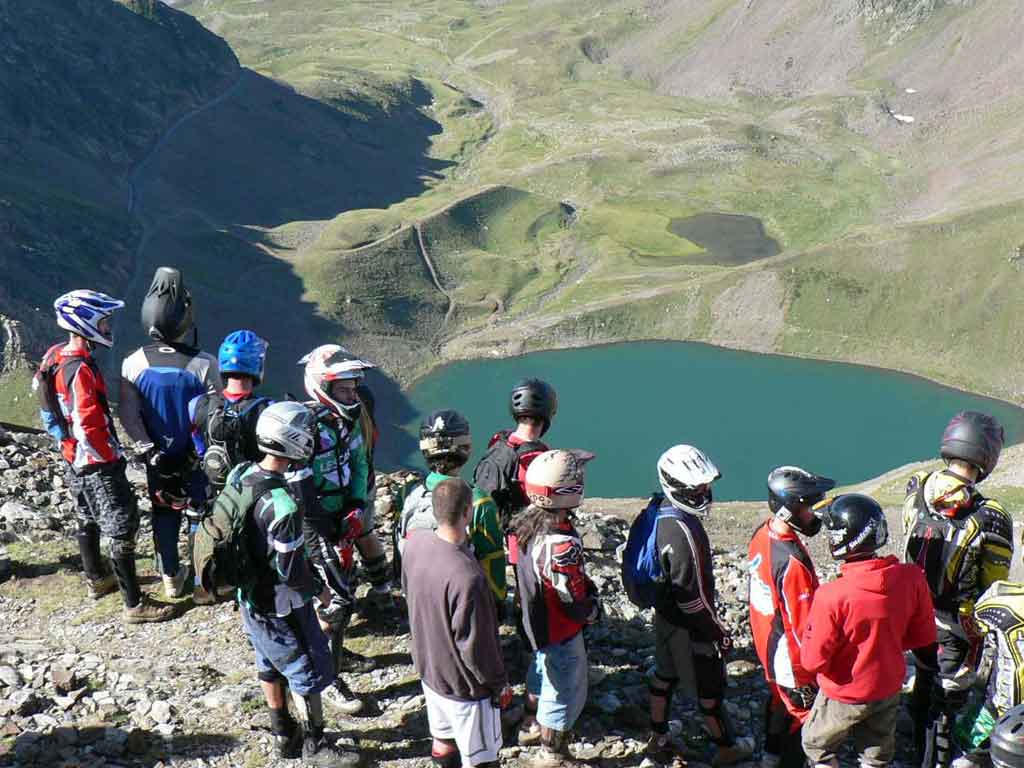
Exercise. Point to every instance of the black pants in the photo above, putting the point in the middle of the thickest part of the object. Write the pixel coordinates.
(938, 696)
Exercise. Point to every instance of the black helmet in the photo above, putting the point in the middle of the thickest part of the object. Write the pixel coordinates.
(536, 398)
(1007, 740)
(792, 489)
(167, 308)
(444, 435)
(855, 525)
(976, 438)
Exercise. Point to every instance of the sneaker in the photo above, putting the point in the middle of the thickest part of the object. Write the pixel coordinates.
(664, 750)
(104, 585)
(318, 751)
(738, 752)
(148, 610)
(355, 663)
(174, 586)
(340, 697)
(289, 745)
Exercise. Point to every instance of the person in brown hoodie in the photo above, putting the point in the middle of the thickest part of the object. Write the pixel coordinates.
(453, 624)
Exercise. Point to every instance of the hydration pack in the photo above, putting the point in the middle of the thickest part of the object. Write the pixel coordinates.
(225, 438)
(417, 514)
(220, 554)
(642, 575)
(499, 467)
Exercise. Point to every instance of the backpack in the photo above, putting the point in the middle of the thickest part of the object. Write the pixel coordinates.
(417, 514)
(225, 437)
(44, 383)
(220, 552)
(504, 459)
(642, 575)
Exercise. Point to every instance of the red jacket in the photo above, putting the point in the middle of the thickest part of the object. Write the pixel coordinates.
(860, 626)
(782, 587)
(82, 395)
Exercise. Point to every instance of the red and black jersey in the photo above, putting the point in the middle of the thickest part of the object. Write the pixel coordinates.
(556, 596)
(82, 397)
(782, 586)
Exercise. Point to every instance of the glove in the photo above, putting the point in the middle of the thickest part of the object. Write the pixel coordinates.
(801, 698)
(725, 644)
(352, 525)
(335, 613)
(502, 699)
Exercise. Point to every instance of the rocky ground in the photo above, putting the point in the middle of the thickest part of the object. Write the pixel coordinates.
(78, 688)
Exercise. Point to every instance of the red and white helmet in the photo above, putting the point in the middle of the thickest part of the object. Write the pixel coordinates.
(332, 362)
(554, 480)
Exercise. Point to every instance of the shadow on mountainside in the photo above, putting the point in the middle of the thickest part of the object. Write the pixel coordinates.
(268, 155)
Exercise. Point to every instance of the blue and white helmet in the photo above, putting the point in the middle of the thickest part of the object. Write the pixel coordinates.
(81, 312)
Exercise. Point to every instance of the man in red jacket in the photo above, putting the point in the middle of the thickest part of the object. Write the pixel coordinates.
(860, 626)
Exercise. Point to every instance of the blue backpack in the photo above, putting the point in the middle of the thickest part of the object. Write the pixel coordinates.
(642, 575)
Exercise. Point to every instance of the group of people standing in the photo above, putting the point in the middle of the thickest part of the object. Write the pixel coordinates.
(278, 498)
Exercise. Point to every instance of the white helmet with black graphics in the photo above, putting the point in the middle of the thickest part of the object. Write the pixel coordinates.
(329, 363)
(686, 474)
(287, 429)
(83, 313)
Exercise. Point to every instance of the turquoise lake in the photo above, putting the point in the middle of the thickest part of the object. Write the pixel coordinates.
(629, 402)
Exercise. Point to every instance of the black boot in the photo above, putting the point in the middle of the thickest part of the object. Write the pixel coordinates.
(316, 749)
(287, 734)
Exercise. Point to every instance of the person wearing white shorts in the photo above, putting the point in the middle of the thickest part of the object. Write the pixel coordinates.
(474, 726)
(453, 626)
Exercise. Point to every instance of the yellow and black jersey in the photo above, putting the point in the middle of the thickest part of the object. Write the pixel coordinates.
(961, 540)
(1000, 615)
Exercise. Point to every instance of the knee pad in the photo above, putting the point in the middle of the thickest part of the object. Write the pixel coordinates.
(450, 759)
(660, 687)
(717, 713)
(119, 547)
(268, 676)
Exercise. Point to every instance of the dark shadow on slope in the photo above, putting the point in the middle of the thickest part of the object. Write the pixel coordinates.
(393, 410)
(268, 155)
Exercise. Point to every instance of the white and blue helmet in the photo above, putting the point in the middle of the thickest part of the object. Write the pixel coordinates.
(81, 312)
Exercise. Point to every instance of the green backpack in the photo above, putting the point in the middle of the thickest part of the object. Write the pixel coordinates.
(220, 553)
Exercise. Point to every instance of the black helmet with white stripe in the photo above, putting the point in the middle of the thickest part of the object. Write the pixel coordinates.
(444, 437)
(855, 525)
(686, 474)
(288, 430)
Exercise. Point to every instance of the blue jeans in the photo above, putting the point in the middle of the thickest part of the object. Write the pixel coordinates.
(558, 677)
(291, 648)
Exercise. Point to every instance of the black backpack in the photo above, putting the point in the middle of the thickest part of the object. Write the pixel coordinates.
(498, 473)
(225, 437)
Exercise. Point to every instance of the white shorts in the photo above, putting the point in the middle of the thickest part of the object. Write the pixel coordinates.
(474, 726)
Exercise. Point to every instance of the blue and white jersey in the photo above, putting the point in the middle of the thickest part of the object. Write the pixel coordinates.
(157, 383)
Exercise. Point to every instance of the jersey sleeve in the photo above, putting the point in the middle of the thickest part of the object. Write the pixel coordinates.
(197, 417)
(487, 476)
(796, 592)
(488, 542)
(284, 529)
(129, 407)
(359, 467)
(569, 579)
(682, 567)
(89, 423)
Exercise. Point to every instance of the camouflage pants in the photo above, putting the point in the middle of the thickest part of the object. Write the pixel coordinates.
(104, 499)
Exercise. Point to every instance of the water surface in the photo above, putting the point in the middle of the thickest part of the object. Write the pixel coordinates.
(749, 412)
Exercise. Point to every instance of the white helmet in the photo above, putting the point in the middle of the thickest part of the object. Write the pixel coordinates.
(288, 430)
(81, 312)
(686, 475)
(332, 362)
(554, 480)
